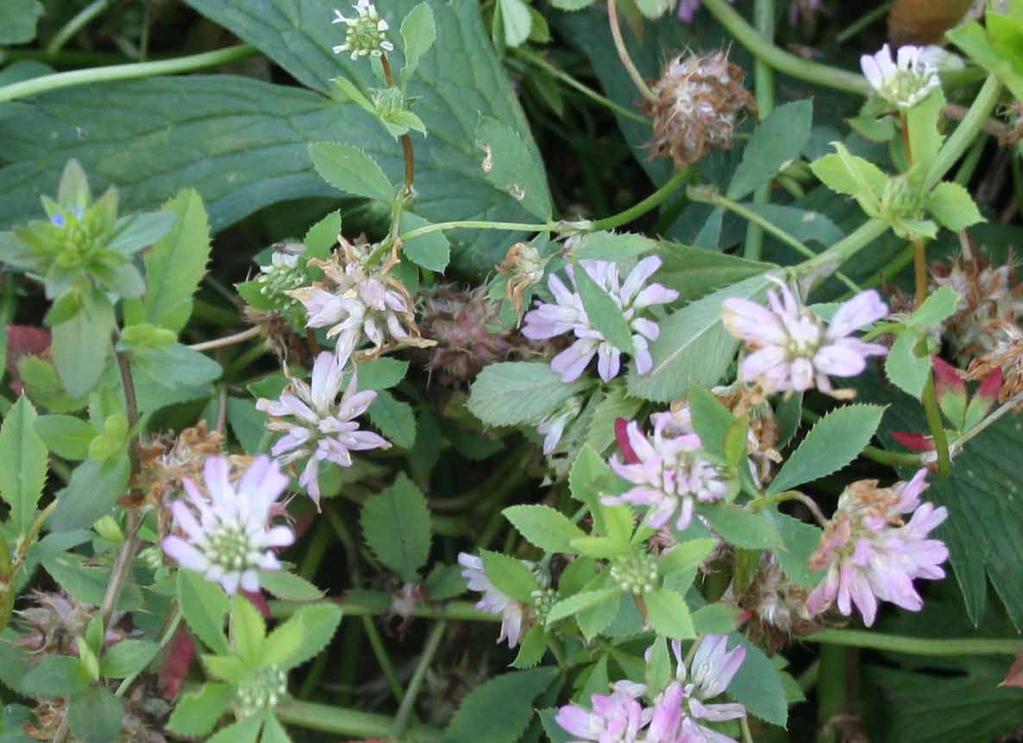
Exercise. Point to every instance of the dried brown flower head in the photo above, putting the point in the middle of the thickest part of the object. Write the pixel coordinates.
(523, 267)
(166, 461)
(989, 295)
(1006, 356)
(52, 621)
(1012, 134)
(280, 335)
(775, 606)
(699, 101)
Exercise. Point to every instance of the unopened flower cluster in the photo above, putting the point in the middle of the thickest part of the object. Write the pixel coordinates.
(682, 712)
(905, 80)
(367, 32)
(872, 553)
(568, 315)
(793, 350)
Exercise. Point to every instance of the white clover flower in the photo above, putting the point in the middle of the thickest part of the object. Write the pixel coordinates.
(567, 315)
(231, 540)
(552, 428)
(319, 426)
(493, 600)
(904, 81)
(367, 32)
(793, 349)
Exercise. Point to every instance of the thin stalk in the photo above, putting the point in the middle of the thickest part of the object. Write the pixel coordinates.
(228, 340)
(406, 139)
(843, 250)
(477, 224)
(862, 22)
(376, 642)
(763, 501)
(894, 268)
(782, 61)
(346, 722)
(892, 458)
(763, 76)
(961, 139)
(648, 204)
(957, 445)
(830, 691)
(168, 635)
(917, 645)
(56, 81)
(401, 719)
(969, 165)
(921, 279)
(456, 611)
(79, 21)
(537, 60)
(623, 53)
(937, 427)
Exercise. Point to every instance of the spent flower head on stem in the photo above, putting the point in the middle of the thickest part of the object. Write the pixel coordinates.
(367, 32)
(793, 350)
(225, 524)
(871, 553)
(318, 425)
(567, 315)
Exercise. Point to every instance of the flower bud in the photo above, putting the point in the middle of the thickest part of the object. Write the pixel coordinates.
(523, 267)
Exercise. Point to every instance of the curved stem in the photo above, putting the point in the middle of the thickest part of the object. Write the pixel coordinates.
(843, 250)
(623, 53)
(916, 645)
(418, 676)
(862, 22)
(782, 61)
(406, 139)
(763, 81)
(227, 340)
(648, 204)
(937, 427)
(537, 60)
(961, 139)
(892, 458)
(763, 501)
(344, 722)
(59, 80)
(76, 24)
(477, 224)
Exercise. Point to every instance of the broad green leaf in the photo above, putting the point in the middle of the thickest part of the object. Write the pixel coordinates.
(614, 405)
(273, 731)
(418, 32)
(924, 137)
(91, 493)
(515, 20)
(711, 419)
(624, 248)
(548, 529)
(431, 251)
(247, 424)
(87, 583)
(289, 586)
(499, 710)
(204, 607)
(974, 40)
(602, 311)
(18, 20)
(23, 461)
(516, 392)
(510, 163)
(683, 560)
(177, 263)
(381, 374)
(715, 619)
(532, 648)
(396, 525)
(658, 673)
(667, 612)
(247, 630)
(54, 676)
(138, 231)
(81, 345)
(742, 528)
(127, 657)
(695, 272)
(654, 9)
(595, 619)
(198, 711)
(394, 418)
(833, 442)
(510, 576)
(576, 603)
(306, 634)
(758, 685)
(244, 731)
(801, 541)
(693, 347)
(350, 169)
(777, 140)
(65, 435)
(953, 207)
(938, 306)
(800, 223)
(904, 368)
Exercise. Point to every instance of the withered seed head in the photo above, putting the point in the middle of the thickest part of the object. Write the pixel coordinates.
(699, 101)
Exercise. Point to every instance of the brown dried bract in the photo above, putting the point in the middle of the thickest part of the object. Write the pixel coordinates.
(775, 607)
(523, 267)
(1007, 356)
(699, 102)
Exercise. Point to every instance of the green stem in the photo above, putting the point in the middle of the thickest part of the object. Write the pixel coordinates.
(830, 691)
(862, 22)
(376, 642)
(917, 645)
(936, 426)
(59, 80)
(763, 76)
(340, 721)
(892, 458)
(784, 62)
(454, 610)
(961, 139)
(477, 224)
(623, 53)
(418, 676)
(648, 204)
(76, 24)
(843, 250)
(537, 60)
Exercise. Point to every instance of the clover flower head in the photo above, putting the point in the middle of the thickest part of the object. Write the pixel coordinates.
(567, 315)
(319, 426)
(367, 32)
(225, 526)
(493, 600)
(618, 716)
(793, 349)
(552, 428)
(903, 81)
(710, 673)
(669, 474)
(871, 553)
(357, 304)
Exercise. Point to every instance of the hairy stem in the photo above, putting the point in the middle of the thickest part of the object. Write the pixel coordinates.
(59, 80)
(623, 52)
